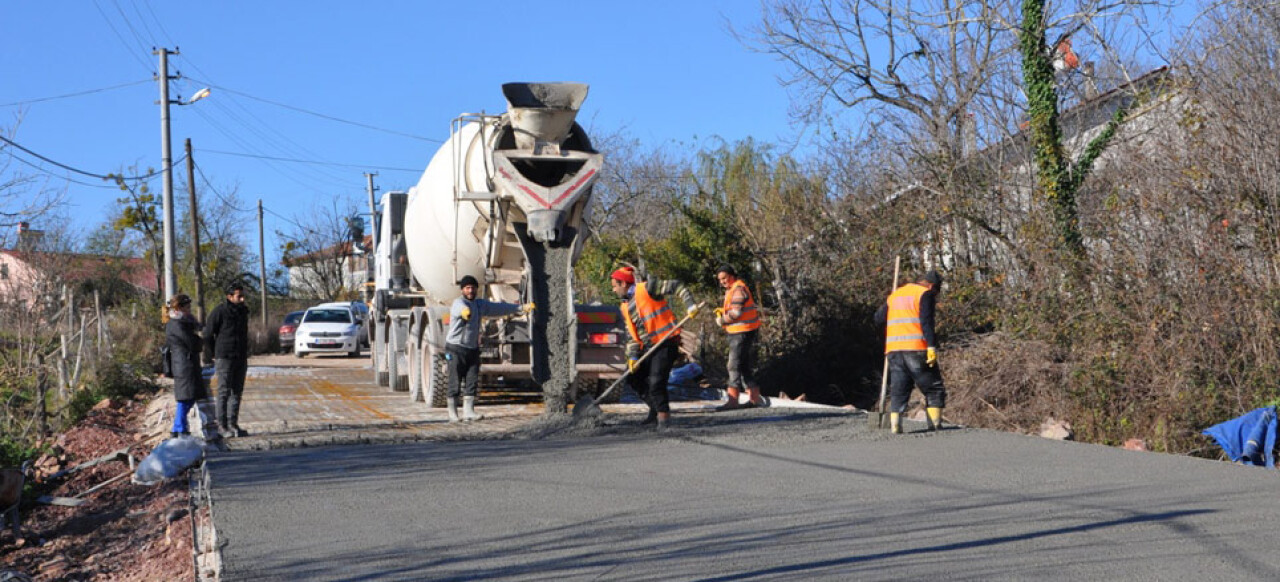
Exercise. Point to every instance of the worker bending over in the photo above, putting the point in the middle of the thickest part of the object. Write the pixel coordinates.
(741, 320)
(650, 323)
(911, 347)
(462, 344)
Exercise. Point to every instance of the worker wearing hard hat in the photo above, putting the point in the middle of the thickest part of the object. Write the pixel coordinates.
(650, 323)
(462, 344)
(741, 320)
(911, 348)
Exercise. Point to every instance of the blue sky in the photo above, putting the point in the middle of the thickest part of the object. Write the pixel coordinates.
(665, 72)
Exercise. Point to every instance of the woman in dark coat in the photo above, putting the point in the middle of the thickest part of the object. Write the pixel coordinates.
(180, 334)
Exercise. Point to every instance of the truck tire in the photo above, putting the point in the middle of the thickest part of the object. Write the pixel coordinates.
(615, 396)
(436, 387)
(379, 348)
(397, 363)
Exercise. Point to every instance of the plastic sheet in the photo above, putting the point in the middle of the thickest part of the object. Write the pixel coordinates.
(168, 459)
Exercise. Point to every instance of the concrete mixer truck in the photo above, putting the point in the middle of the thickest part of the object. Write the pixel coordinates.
(503, 200)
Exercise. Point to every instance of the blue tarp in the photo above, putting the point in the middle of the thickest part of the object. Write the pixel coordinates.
(1250, 438)
(684, 376)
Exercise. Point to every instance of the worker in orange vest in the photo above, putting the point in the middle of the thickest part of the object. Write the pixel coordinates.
(650, 322)
(741, 320)
(912, 349)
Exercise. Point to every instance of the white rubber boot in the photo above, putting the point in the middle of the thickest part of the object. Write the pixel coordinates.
(469, 409)
(453, 410)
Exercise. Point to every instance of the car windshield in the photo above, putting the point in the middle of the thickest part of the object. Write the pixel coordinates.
(327, 316)
(293, 318)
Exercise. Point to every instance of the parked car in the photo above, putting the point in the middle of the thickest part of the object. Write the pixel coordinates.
(328, 330)
(288, 328)
(359, 311)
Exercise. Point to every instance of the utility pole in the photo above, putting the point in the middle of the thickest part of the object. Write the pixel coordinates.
(373, 221)
(262, 265)
(166, 169)
(195, 231)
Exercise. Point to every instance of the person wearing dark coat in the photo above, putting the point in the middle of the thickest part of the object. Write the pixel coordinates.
(182, 337)
(226, 333)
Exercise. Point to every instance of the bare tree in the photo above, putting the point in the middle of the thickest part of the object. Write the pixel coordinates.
(320, 250)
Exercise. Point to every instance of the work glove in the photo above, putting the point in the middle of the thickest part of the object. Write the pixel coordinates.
(466, 313)
(631, 365)
(693, 312)
(719, 312)
(527, 307)
(931, 357)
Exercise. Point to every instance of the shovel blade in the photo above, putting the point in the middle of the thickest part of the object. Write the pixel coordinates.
(877, 419)
(586, 406)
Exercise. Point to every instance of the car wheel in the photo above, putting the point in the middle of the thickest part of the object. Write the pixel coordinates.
(299, 354)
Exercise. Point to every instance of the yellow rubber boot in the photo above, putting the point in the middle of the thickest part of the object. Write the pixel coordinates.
(895, 423)
(935, 417)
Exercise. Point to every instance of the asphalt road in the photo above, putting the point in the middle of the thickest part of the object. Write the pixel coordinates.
(751, 495)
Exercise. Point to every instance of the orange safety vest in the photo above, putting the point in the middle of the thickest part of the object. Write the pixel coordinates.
(904, 332)
(659, 322)
(749, 319)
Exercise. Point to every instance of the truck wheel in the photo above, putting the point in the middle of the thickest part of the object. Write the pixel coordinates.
(379, 348)
(436, 389)
(615, 396)
(397, 363)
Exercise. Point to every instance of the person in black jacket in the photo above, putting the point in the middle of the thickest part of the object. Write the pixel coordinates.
(182, 337)
(226, 333)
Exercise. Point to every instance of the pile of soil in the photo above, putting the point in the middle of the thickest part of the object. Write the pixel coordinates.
(122, 531)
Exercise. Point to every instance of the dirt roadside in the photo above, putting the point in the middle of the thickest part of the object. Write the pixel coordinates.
(122, 531)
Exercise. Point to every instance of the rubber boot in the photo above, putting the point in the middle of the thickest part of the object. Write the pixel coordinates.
(732, 402)
(664, 420)
(469, 410)
(935, 417)
(453, 410)
(895, 423)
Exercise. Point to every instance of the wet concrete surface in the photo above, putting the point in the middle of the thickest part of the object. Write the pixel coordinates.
(331, 400)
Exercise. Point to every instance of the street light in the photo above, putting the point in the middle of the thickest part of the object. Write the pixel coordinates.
(166, 165)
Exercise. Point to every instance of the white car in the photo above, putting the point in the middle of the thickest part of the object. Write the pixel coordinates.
(360, 313)
(328, 330)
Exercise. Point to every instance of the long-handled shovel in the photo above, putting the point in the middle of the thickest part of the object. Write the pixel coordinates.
(588, 406)
(877, 418)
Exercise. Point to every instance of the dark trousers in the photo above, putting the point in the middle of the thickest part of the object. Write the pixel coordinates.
(742, 359)
(653, 374)
(464, 370)
(907, 368)
(231, 373)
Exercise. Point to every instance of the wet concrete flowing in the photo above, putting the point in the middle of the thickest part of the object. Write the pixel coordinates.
(554, 325)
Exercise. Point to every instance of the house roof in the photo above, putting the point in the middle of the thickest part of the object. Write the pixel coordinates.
(342, 249)
(77, 267)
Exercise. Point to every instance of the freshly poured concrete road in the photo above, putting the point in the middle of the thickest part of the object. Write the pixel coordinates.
(774, 494)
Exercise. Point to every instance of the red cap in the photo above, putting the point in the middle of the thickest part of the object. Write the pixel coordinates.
(624, 274)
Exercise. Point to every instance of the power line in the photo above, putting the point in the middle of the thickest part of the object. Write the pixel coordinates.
(316, 162)
(323, 116)
(73, 181)
(77, 94)
(82, 172)
(145, 65)
(215, 191)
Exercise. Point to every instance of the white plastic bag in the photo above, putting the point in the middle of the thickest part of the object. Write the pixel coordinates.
(168, 459)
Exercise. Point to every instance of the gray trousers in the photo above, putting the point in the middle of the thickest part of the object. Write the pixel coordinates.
(742, 359)
(907, 368)
(231, 373)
